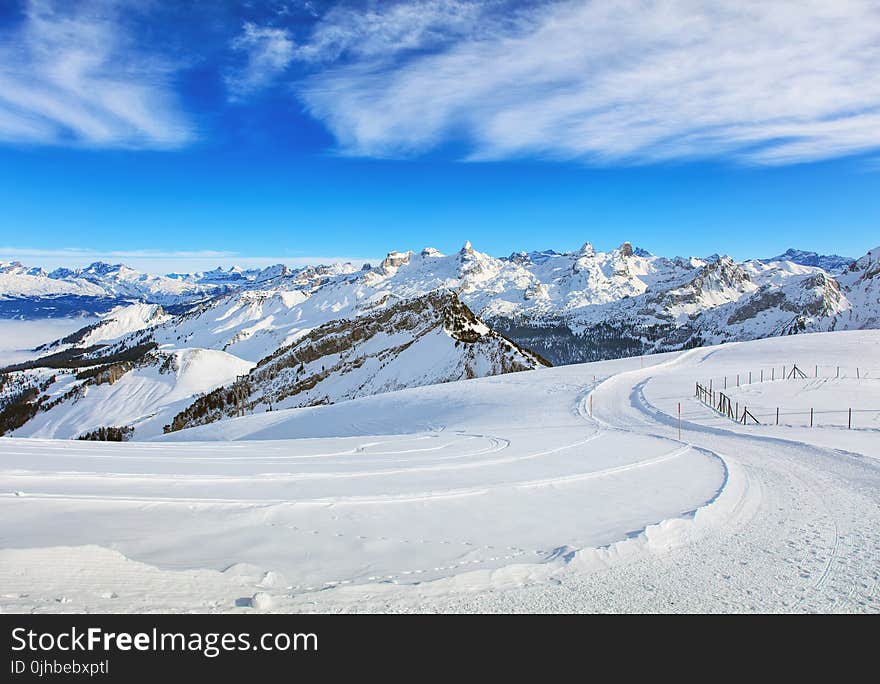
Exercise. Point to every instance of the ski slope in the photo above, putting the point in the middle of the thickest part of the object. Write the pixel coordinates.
(146, 398)
(561, 489)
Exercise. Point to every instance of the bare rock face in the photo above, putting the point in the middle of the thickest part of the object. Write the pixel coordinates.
(396, 260)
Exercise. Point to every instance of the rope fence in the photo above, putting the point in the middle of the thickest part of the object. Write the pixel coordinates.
(714, 394)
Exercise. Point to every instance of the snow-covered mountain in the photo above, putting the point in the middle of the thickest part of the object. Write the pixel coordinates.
(565, 307)
(98, 377)
(427, 340)
(833, 263)
(33, 293)
(861, 282)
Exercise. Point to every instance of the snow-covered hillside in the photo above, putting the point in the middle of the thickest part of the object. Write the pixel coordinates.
(103, 376)
(559, 489)
(861, 282)
(144, 395)
(427, 340)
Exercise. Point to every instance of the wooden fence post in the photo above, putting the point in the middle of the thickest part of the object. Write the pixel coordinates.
(849, 421)
(777, 415)
(811, 417)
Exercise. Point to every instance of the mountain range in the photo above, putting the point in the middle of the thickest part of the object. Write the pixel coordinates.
(170, 351)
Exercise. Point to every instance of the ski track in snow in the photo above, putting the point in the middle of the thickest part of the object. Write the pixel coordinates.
(571, 513)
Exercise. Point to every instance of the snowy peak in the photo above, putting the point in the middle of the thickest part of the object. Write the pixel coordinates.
(271, 272)
(395, 260)
(100, 269)
(720, 275)
(832, 263)
(868, 262)
(586, 250)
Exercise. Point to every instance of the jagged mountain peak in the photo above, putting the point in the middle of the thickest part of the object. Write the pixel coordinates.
(723, 271)
(103, 268)
(587, 250)
(395, 260)
(833, 263)
(869, 259)
(424, 340)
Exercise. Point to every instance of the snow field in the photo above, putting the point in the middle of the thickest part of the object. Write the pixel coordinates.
(512, 493)
(497, 472)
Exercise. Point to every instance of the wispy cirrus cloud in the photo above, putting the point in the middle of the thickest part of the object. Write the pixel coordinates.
(267, 53)
(71, 74)
(612, 81)
(383, 30)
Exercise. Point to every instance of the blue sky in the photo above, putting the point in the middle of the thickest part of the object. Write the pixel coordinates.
(173, 137)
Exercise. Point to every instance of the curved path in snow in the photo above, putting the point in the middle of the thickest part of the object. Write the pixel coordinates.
(797, 527)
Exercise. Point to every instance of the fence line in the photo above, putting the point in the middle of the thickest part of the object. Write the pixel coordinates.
(722, 404)
(783, 372)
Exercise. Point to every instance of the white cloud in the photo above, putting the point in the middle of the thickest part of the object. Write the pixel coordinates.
(161, 261)
(623, 80)
(268, 52)
(385, 29)
(70, 75)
